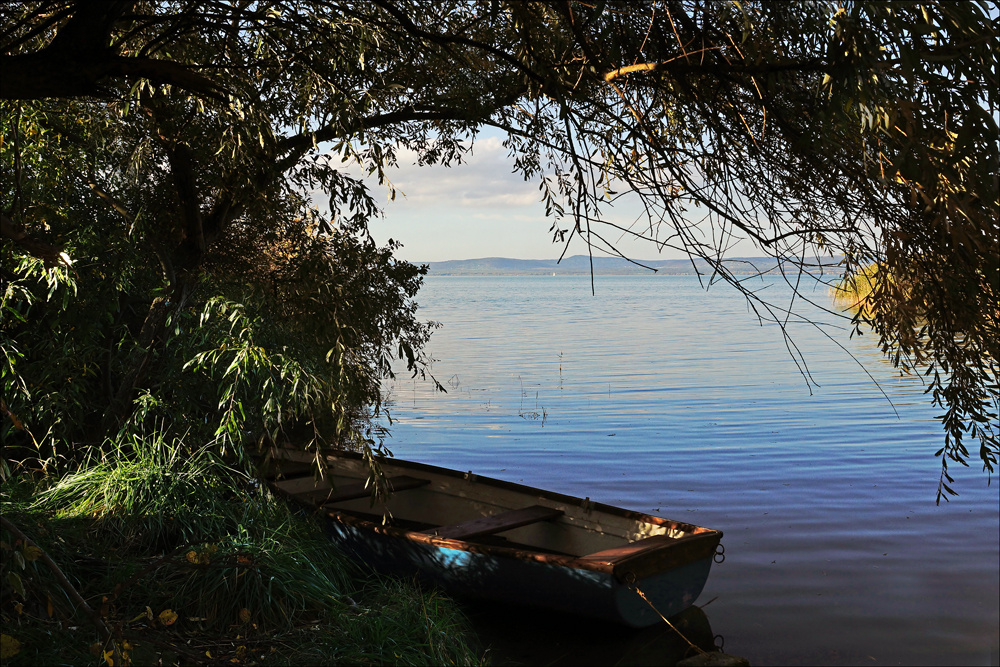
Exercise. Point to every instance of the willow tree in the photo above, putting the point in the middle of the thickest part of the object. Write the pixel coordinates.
(167, 270)
(861, 130)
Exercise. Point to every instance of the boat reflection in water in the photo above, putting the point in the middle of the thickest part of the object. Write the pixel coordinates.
(484, 538)
(518, 635)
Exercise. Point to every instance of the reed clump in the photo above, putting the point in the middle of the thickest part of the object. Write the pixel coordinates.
(854, 290)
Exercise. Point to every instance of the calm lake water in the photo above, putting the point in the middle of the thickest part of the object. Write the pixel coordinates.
(660, 396)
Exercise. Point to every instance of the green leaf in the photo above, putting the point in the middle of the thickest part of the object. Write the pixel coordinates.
(16, 584)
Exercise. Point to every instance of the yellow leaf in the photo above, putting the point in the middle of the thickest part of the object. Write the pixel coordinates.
(16, 583)
(32, 553)
(9, 647)
(19, 608)
(192, 557)
(149, 613)
(109, 659)
(48, 607)
(168, 617)
(207, 654)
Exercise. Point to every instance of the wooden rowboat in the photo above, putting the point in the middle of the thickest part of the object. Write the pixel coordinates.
(486, 538)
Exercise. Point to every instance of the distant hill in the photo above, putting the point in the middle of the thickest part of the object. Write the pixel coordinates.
(603, 266)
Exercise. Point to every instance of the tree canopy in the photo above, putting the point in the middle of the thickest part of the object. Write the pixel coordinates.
(165, 148)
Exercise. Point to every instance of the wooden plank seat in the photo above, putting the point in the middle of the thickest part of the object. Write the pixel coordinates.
(495, 523)
(287, 469)
(657, 553)
(320, 493)
(631, 549)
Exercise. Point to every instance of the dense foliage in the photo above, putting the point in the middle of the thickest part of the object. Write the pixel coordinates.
(164, 147)
(274, 324)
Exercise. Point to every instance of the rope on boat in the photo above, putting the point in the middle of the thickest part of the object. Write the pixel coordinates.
(630, 582)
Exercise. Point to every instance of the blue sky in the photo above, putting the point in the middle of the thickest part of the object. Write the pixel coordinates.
(476, 209)
(480, 209)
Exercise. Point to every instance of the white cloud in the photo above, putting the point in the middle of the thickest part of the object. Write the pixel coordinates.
(484, 179)
(478, 208)
(481, 209)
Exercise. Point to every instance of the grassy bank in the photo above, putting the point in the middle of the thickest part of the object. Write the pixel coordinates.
(185, 560)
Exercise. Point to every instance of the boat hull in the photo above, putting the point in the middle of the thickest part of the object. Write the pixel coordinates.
(552, 583)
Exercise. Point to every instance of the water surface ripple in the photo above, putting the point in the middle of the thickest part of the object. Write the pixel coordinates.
(661, 397)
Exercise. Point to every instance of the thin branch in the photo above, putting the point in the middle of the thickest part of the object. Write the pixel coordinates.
(61, 579)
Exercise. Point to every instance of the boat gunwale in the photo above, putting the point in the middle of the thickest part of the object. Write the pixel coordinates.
(699, 543)
(634, 565)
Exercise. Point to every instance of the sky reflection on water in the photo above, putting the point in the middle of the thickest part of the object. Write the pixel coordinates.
(657, 396)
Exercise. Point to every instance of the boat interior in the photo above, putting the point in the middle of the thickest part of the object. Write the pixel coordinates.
(455, 506)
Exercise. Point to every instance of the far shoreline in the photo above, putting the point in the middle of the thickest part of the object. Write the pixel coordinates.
(580, 265)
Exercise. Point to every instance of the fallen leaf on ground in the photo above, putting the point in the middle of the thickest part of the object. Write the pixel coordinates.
(9, 646)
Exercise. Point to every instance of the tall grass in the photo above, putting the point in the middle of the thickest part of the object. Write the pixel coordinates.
(267, 578)
(148, 492)
(156, 525)
(405, 624)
